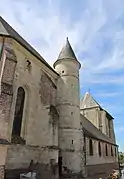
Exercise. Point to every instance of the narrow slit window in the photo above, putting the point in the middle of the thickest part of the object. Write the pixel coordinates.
(111, 151)
(99, 149)
(115, 152)
(106, 150)
(90, 147)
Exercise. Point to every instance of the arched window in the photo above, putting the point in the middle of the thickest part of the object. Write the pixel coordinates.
(90, 147)
(99, 149)
(106, 150)
(16, 131)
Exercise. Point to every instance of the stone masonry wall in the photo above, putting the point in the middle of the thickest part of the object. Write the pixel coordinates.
(40, 118)
(40, 95)
(99, 170)
(19, 156)
(103, 159)
(8, 64)
(92, 115)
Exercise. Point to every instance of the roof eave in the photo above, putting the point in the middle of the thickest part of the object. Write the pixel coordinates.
(9, 36)
(96, 138)
(59, 60)
(108, 114)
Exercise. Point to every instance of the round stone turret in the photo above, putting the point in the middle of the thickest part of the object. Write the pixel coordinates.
(67, 53)
(68, 105)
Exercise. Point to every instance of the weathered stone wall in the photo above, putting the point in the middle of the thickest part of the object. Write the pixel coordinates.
(103, 121)
(7, 70)
(112, 133)
(42, 171)
(92, 114)
(40, 118)
(40, 95)
(47, 171)
(3, 153)
(103, 159)
(19, 68)
(101, 169)
(99, 119)
(107, 126)
(70, 133)
(20, 156)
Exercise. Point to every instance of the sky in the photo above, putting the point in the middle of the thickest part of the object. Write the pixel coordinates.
(95, 29)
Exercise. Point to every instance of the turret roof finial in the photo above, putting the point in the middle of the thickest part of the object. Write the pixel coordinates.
(67, 51)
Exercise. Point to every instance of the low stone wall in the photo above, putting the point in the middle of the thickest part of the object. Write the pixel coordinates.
(101, 169)
(20, 156)
(43, 171)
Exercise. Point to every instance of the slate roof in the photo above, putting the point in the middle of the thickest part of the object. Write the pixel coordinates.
(7, 30)
(67, 53)
(91, 131)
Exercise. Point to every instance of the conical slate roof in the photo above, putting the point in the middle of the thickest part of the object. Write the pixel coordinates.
(67, 52)
(7, 30)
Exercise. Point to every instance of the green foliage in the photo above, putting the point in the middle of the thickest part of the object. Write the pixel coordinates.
(121, 157)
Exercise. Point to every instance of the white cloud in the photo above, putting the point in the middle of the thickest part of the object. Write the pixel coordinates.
(46, 29)
(41, 23)
(109, 94)
(108, 79)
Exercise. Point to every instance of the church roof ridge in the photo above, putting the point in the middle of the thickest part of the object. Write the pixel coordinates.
(67, 53)
(92, 131)
(88, 101)
(7, 31)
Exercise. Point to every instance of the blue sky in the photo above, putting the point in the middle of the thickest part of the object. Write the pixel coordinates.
(96, 31)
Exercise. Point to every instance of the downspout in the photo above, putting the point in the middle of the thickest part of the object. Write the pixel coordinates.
(85, 149)
(85, 157)
(1, 63)
(1, 52)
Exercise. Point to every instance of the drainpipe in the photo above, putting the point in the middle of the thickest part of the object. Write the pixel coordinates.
(1, 55)
(1, 52)
(85, 157)
(85, 148)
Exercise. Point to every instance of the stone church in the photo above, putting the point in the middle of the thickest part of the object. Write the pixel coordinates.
(44, 126)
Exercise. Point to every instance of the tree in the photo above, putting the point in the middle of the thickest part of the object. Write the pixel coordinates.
(121, 158)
